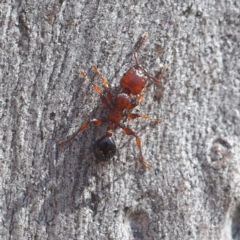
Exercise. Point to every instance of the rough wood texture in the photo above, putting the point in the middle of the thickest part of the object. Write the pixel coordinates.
(192, 189)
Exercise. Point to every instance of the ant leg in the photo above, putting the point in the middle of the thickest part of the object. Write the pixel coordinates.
(129, 131)
(104, 82)
(95, 121)
(132, 116)
(104, 99)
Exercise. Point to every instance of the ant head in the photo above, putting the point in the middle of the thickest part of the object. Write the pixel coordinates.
(134, 80)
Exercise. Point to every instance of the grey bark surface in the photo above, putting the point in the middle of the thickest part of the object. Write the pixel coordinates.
(192, 189)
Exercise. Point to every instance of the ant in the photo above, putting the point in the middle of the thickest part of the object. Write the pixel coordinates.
(134, 82)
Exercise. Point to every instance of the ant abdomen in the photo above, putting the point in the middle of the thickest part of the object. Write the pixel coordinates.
(104, 148)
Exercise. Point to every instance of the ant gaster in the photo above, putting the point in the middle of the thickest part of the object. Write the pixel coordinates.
(134, 82)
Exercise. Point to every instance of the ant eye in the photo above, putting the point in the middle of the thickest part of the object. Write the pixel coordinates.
(104, 148)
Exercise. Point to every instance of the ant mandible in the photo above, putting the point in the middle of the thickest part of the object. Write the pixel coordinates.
(134, 82)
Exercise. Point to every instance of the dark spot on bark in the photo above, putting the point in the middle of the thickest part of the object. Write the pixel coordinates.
(220, 150)
(52, 115)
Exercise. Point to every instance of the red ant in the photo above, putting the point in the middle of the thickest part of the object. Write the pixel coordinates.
(134, 82)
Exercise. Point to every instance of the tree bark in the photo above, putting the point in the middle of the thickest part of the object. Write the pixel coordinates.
(192, 189)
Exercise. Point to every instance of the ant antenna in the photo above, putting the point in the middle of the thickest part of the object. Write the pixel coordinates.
(143, 39)
(161, 74)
